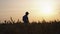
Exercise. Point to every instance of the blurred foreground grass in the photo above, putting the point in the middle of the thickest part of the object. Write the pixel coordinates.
(31, 28)
(12, 27)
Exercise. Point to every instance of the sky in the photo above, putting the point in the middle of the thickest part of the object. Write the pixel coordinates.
(38, 9)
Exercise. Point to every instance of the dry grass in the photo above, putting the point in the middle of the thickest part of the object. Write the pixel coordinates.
(33, 28)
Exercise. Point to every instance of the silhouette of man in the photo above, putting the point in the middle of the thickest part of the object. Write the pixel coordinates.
(25, 18)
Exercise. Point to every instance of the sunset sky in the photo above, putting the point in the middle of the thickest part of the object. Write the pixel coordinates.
(38, 9)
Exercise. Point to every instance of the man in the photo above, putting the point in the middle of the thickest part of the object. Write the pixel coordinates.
(25, 18)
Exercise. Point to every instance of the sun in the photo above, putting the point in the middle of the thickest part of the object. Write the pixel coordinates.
(46, 9)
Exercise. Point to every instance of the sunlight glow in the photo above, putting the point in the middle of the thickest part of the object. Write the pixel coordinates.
(46, 9)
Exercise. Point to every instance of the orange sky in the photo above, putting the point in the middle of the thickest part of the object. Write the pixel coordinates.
(17, 8)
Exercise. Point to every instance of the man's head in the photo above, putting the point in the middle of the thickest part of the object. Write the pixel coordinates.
(27, 13)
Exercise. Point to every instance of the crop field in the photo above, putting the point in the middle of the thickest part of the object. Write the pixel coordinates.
(31, 28)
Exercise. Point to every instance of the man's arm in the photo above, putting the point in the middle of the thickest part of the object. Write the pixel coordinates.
(27, 20)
